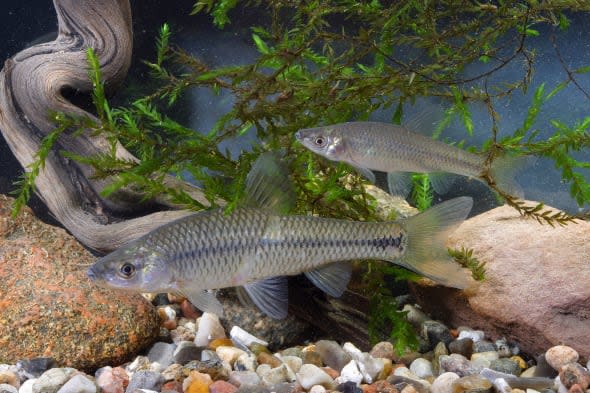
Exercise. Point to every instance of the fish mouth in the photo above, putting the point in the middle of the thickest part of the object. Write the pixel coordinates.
(299, 135)
(91, 274)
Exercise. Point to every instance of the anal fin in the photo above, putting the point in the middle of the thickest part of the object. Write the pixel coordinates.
(332, 279)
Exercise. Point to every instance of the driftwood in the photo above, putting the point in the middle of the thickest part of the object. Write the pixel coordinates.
(32, 85)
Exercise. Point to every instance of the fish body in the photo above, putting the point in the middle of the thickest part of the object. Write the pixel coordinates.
(391, 148)
(255, 248)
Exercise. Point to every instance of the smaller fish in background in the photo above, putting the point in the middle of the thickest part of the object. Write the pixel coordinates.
(256, 246)
(398, 151)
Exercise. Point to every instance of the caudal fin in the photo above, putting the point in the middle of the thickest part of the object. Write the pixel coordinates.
(504, 170)
(426, 252)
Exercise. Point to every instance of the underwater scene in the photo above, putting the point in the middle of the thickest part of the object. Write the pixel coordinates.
(295, 196)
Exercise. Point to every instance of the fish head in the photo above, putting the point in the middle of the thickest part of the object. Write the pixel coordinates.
(134, 268)
(325, 141)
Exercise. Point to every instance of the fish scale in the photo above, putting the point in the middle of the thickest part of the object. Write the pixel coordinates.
(216, 245)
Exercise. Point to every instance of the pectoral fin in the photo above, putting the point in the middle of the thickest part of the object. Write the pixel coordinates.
(442, 181)
(332, 279)
(203, 300)
(270, 295)
(366, 173)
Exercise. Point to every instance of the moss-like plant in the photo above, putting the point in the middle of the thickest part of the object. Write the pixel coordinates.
(324, 62)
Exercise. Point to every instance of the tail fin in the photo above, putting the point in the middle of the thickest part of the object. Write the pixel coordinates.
(427, 233)
(505, 168)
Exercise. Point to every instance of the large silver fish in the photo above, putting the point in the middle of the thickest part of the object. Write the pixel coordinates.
(397, 150)
(256, 248)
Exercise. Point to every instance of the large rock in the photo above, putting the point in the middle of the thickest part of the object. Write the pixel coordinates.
(48, 307)
(537, 287)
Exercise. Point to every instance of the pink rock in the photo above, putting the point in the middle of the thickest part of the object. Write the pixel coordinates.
(112, 380)
(536, 290)
(222, 387)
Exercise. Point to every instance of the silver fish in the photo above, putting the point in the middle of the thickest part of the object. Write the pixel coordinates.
(396, 150)
(256, 248)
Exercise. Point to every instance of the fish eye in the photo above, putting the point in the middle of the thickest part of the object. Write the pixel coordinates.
(127, 270)
(320, 141)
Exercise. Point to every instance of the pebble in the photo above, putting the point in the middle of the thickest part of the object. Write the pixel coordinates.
(293, 362)
(51, 380)
(380, 387)
(317, 389)
(222, 387)
(332, 354)
(483, 346)
(505, 365)
(474, 335)
(310, 375)
(484, 359)
(560, 355)
(458, 364)
(229, 354)
(197, 382)
(7, 388)
(267, 358)
(186, 351)
(503, 348)
(312, 357)
(188, 310)
(162, 353)
(78, 384)
(271, 376)
(213, 367)
(462, 346)
(422, 368)
(348, 387)
(245, 338)
(112, 380)
(574, 374)
(244, 378)
(444, 383)
(471, 384)
(173, 372)
(415, 315)
(27, 386)
(247, 362)
(383, 349)
(436, 332)
(8, 377)
(33, 368)
(350, 373)
(145, 380)
(208, 328)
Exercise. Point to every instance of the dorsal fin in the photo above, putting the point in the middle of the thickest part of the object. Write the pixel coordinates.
(268, 185)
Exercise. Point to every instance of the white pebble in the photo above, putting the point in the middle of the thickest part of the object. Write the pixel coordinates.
(444, 383)
(240, 335)
(422, 368)
(273, 376)
(501, 386)
(317, 389)
(229, 354)
(6, 388)
(209, 328)
(405, 372)
(529, 390)
(369, 366)
(560, 386)
(246, 362)
(293, 362)
(170, 313)
(474, 335)
(27, 386)
(484, 359)
(78, 384)
(350, 348)
(529, 372)
(310, 375)
(350, 373)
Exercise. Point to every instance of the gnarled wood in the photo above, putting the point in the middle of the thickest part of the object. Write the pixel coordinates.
(32, 85)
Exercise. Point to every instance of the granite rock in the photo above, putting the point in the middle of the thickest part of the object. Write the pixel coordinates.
(523, 258)
(49, 308)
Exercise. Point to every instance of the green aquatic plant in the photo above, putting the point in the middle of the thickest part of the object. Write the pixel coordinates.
(422, 193)
(465, 258)
(323, 62)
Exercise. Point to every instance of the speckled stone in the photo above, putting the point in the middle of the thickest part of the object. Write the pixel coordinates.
(574, 374)
(560, 355)
(6, 388)
(50, 308)
(505, 365)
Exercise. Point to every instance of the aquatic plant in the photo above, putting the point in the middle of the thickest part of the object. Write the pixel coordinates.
(323, 62)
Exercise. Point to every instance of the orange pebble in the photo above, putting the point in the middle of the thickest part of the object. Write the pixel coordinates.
(197, 382)
(220, 342)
